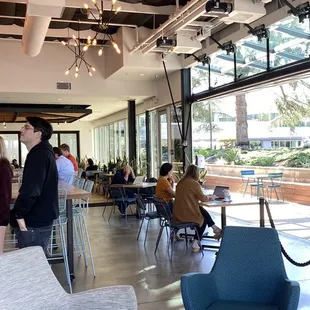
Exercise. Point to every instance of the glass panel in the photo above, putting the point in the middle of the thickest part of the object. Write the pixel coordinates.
(141, 145)
(111, 144)
(122, 138)
(11, 143)
(54, 140)
(116, 139)
(163, 138)
(176, 140)
(153, 143)
(71, 140)
(24, 153)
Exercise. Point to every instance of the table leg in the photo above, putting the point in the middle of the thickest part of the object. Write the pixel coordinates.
(223, 216)
(70, 238)
(261, 212)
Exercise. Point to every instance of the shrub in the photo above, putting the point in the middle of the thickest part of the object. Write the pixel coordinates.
(232, 155)
(267, 161)
(300, 160)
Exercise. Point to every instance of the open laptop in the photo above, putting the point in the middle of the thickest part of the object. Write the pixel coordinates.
(219, 192)
(139, 180)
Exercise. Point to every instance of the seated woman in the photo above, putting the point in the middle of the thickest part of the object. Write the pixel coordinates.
(164, 188)
(186, 206)
(124, 176)
(91, 166)
(15, 164)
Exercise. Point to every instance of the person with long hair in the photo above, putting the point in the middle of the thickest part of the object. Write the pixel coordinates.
(5, 192)
(187, 209)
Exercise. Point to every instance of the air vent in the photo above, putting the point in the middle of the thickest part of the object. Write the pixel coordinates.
(64, 86)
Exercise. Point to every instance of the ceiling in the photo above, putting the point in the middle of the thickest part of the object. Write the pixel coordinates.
(100, 106)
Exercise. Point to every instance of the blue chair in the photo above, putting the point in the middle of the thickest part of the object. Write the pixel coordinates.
(248, 274)
(276, 176)
(246, 181)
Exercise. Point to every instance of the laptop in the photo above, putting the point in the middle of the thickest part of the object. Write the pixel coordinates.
(219, 192)
(139, 180)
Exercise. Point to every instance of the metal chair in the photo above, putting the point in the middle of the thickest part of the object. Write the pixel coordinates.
(80, 171)
(141, 208)
(81, 236)
(120, 197)
(246, 181)
(61, 223)
(273, 186)
(164, 212)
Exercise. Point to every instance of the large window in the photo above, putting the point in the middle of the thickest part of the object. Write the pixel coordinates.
(17, 150)
(141, 145)
(110, 142)
(153, 144)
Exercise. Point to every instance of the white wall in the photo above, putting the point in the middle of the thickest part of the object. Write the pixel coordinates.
(162, 99)
(85, 129)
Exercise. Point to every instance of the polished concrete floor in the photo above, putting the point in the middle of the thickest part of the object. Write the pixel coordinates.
(121, 259)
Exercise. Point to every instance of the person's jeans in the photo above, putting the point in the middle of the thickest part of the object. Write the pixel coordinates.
(207, 220)
(34, 236)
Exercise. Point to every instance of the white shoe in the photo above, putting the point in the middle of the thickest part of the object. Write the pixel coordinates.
(195, 246)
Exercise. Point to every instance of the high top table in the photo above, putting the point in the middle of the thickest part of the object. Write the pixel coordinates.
(72, 193)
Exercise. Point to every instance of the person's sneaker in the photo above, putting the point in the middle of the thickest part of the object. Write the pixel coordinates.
(195, 246)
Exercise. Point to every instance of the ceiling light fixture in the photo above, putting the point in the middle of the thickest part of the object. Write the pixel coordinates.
(79, 55)
(4, 124)
(103, 26)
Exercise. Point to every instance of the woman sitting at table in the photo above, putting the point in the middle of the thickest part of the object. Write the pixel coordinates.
(124, 176)
(187, 209)
(15, 165)
(164, 188)
(91, 166)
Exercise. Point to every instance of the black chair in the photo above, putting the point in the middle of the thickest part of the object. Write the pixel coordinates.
(164, 212)
(148, 194)
(120, 198)
(141, 209)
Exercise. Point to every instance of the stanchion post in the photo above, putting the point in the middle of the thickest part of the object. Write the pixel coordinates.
(261, 212)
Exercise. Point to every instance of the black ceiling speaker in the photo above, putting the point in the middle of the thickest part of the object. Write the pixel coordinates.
(217, 7)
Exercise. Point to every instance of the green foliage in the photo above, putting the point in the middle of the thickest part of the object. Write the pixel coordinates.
(255, 145)
(232, 155)
(300, 160)
(228, 143)
(267, 161)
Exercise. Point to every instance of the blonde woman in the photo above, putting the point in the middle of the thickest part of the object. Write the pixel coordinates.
(5, 192)
(124, 176)
(186, 206)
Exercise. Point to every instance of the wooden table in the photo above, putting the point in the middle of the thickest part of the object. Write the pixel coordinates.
(72, 193)
(138, 186)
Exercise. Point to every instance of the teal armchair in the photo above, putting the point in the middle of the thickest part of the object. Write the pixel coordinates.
(248, 274)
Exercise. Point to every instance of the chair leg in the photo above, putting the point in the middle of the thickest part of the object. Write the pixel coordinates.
(199, 242)
(147, 229)
(80, 229)
(158, 238)
(276, 192)
(113, 207)
(245, 188)
(186, 239)
(103, 210)
(65, 256)
(140, 228)
(76, 239)
(282, 193)
(172, 246)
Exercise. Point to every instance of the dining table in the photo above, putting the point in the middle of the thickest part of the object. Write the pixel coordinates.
(73, 192)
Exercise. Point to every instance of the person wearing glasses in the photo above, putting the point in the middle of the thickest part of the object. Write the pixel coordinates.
(36, 206)
(5, 192)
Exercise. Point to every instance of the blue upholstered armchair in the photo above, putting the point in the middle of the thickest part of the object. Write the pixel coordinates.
(248, 274)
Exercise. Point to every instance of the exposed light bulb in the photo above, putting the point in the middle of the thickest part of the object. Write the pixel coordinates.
(64, 43)
(76, 69)
(113, 2)
(88, 40)
(73, 37)
(93, 68)
(118, 9)
(94, 1)
(100, 52)
(76, 74)
(67, 72)
(90, 74)
(118, 51)
(85, 48)
(95, 42)
(86, 6)
(65, 122)
(4, 126)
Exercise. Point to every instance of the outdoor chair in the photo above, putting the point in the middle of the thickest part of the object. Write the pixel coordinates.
(248, 274)
(275, 177)
(246, 181)
(29, 283)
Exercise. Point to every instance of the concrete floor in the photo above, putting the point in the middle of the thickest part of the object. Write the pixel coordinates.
(121, 259)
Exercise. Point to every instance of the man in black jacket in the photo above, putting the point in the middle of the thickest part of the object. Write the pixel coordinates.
(36, 206)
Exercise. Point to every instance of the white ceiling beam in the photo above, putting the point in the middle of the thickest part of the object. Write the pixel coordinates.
(201, 24)
(125, 7)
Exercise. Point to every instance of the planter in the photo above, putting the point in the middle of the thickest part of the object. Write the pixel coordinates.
(296, 175)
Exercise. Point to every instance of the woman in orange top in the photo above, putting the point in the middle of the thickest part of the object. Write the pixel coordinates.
(164, 188)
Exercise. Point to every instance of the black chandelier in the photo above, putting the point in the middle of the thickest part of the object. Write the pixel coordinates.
(74, 44)
(103, 26)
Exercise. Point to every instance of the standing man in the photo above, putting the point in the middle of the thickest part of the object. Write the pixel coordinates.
(65, 150)
(64, 165)
(36, 206)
